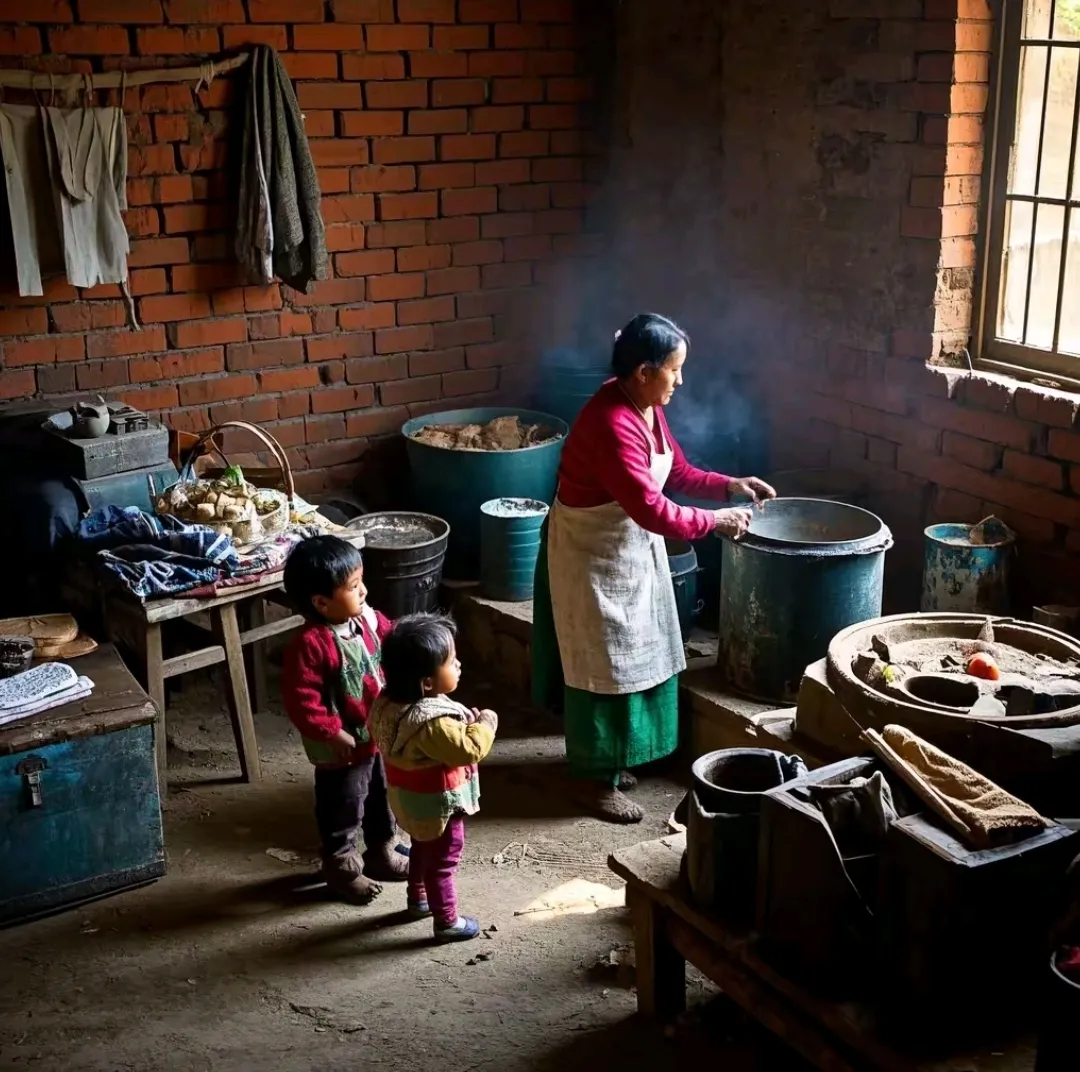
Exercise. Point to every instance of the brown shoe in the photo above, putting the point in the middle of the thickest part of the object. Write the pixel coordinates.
(385, 863)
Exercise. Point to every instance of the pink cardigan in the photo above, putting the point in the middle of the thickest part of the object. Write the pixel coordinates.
(606, 459)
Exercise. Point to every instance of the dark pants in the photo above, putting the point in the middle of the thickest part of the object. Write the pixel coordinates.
(432, 865)
(348, 799)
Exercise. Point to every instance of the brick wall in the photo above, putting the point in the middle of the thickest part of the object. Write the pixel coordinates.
(448, 138)
(800, 185)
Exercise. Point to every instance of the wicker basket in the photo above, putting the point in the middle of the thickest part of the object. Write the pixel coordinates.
(280, 483)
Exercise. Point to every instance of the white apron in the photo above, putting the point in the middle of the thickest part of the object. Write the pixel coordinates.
(612, 598)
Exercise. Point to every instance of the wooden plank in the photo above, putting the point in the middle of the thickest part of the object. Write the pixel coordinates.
(254, 641)
(661, 971)
(116, 702)
(155, 685)
(271, 629)
(227, 630)
(193, 660)
(653, 869)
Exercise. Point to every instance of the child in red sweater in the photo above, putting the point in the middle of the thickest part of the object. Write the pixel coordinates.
(330, 679)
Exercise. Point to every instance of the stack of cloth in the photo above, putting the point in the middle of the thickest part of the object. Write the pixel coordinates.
(40, 689)
(155, 556)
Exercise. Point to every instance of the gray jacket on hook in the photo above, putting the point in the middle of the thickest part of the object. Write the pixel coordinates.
(279, 229)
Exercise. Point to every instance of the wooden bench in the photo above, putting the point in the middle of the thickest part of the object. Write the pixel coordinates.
(833, 1036)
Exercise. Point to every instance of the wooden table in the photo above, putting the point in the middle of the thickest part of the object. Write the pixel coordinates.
(834, 1036)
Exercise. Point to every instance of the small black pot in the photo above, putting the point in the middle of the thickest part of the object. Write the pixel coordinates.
(16, 655)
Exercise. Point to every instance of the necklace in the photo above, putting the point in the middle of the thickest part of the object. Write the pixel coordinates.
(641, 412)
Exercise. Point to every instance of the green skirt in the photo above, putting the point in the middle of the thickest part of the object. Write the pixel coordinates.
(604, 734)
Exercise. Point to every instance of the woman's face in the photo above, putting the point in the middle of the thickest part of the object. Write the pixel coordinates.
(658, 385)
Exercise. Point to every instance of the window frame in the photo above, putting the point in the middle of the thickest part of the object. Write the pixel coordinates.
(1002, 118)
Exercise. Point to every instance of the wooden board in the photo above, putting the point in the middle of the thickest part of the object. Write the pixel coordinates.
(652, 870)
(117, 701)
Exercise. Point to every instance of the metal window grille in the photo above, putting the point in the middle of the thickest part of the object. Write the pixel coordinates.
(1030, 316)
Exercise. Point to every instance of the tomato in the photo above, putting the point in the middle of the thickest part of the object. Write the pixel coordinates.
(982, 665)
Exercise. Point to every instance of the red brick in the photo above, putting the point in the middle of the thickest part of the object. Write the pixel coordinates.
(320, 429)
(339, 399)
(273, 36)
(89, 40)
(554, 117)
(372, 124)
(501, 64)
(464, 332)
(520, 35)
(189, 333)
(517, 90)
(1065, 445)
(396, 287)
(457, 229)
(470, 202)
(29, 321)
(345, 236)
(301, 65)
(262, 299)
(558, 221)
(524, 143)
(177, 366)
(369, 317)
(446, 176)
(333, 180)
(358, 208)
(438, 64)
(296, 379)
(374, 369)
(336, 347)
(198, 216)
(453, 280)
(85, 316)
(428, 311)
(173, 40)
(256, 355)
(397, 340)
(974, 452)
(498, 119)
(206, 12)
(55, 379)
(151, 160)
(20, 41)
(363, 10)
(382, 179)
(45, 351)
(105, 344)
(408, 206)
(102, 375)
(1030, 470)
(399, 233)
(329, 95)
(527, 197)
(458, 92)
(508, 224)
(502, 172)
(972, 67)
(20, 384)
(470, 381)
(339, 152)
(425, 11)
(441, 121)
(373, 67)
(148, 281)
(403, 150)
(472, 253)
(402, 392)
(216, 389)
(423, 258)
(376, 422)
(518, 274)
(285, 10)
(1003, 430)
(383, 38)
(365, 262)
(331, 37)
(174, 307)
(396, 95)
(320, 124)
(461, 38)
(157, 398)
(468, 146)
(204, 277)
(433, 362)
(488, 10)
(527, 248)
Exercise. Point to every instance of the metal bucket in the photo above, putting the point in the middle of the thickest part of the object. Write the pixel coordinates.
(683, 563)
(509, 545)
(1057, 1036)
(966, 568)
(807, 569)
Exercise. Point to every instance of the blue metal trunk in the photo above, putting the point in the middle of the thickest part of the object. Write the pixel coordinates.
(79, 818)
(807, 569)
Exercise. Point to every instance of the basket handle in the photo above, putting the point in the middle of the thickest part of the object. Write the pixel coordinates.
(207, 437)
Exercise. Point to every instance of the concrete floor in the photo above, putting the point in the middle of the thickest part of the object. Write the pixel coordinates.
(237, 961)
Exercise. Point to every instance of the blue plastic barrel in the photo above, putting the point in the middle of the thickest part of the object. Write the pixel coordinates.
(569, 379)
(509, 545)
(966, 568)
(806, 569)
(454, 484)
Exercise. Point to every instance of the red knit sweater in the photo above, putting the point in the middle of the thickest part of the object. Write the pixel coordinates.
(309, 676)
(606, 458)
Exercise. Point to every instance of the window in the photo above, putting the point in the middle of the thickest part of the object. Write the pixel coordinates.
(1031, 300)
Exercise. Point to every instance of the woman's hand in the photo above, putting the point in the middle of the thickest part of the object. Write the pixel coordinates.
(752, 487)
(732, 522)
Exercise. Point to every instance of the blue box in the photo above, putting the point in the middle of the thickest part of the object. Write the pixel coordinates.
(80, 811)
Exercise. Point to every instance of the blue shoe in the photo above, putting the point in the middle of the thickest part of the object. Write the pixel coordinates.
(465, 929)
(418, 910)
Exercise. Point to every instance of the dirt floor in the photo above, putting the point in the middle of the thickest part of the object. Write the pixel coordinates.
(237, 961)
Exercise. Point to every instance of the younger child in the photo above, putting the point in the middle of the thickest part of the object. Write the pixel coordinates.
(431, 745)
(330, 679)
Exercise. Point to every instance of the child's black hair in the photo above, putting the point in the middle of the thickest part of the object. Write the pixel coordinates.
(318, 566)
(414, 649)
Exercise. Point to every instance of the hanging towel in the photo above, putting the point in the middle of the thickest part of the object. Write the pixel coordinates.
(991, 814)
(279, 228)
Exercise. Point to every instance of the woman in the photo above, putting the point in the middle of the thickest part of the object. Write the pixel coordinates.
(605, 613)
